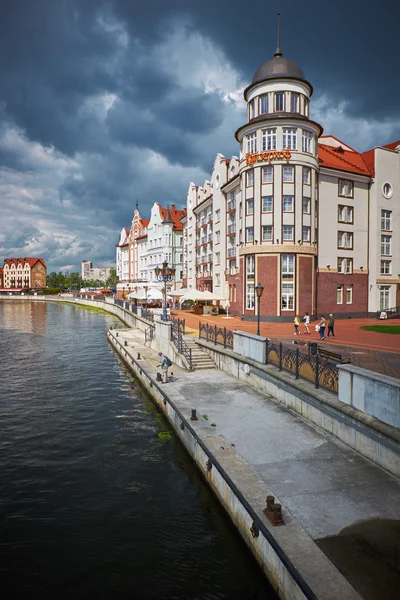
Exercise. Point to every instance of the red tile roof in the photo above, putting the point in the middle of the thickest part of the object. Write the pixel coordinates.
(176, 215)
(145, 222)
(30, 261)
(342, 160)
(369, 156)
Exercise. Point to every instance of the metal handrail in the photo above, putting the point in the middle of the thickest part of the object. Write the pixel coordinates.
(149, 333)
(179, 342)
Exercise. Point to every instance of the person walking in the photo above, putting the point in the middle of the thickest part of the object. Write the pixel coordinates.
(331, 326)
(165, 363)
(296, 325)
(322, 325)
(306, 320)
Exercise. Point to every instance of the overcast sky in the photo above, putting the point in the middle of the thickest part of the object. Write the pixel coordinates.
(105, 104)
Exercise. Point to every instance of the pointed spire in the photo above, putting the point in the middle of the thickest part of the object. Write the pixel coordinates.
(168, 218)
(278, 51)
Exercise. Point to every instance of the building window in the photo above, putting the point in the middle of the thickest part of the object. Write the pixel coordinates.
(345, 214)
(384, 297)
(306, 233)
(345, 240)
(349, 294)
(287, 204)
(217, 214)
(250, 272)
(250, 206)
(345, 265)
(252, 143)
(306, 141)
(386, 267)
(218, 258)
(279, 101)
(289, 138)
(267, 233)
(263, 105)
(386, 245)
(339, 294)
(217, 279)
(249, 234)
(251, 109)
(287, 279)
(345, 188)
(287, 233)
(288, 173)
(306, 205)
(387, 190)
(250, 178)
(295, 102)
(269, 139)
(267, 204)
(267, 174)
(306, 175)
(386, 218)
(218, 236)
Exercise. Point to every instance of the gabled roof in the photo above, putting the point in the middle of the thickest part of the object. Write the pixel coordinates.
(176, 215)
(369, 156)
(29, 260)
(145, 222)
(342, 160)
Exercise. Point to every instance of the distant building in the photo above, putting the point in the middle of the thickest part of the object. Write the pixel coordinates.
(148, 244)
(98, 273)
(23, 274)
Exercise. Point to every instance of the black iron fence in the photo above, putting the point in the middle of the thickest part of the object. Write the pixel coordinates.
(303, 364)
(391, 313)
(180, 344)
(178, 323)
(321, 372)
(149, 333)
(216, 335)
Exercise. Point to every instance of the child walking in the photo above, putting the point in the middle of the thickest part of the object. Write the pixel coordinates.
(306, 320)
(296, 325)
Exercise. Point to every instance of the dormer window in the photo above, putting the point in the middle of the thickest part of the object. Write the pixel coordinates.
(295, 102)
(263, 105)
(279, 102)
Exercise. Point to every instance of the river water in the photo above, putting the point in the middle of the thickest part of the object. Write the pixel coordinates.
(93, 504)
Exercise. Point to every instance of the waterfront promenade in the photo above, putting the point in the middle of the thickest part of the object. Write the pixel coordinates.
(332, 498)
(378, 352)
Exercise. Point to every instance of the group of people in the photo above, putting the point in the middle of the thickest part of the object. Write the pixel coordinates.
(320, 327)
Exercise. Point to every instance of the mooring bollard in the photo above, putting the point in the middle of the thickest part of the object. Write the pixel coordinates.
(125, 343)
(274, 511)
(159, 377)
(194, 415)
(138, 356)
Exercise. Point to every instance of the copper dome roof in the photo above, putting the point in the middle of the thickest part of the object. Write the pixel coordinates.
(278, 67)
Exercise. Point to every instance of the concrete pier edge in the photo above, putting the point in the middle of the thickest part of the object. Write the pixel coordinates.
(279, 568)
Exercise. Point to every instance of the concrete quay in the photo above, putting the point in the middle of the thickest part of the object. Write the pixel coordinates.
(340, 538)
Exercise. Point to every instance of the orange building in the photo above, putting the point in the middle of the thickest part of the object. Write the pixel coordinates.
(23, 274)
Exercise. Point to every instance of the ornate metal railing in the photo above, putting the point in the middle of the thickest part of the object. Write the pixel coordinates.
(178, 323)
(148, 315)
(149, 333)
(391, 313)
(216, 335)
(179, 342)
(302, 364)
(315, 369)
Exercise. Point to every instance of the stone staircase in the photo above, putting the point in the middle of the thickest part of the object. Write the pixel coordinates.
(200, 358)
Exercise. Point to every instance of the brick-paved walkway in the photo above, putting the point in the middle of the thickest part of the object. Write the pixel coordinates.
(378, 352)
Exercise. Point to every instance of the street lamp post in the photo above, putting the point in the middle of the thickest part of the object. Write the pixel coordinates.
(259, 292)
(165, 274)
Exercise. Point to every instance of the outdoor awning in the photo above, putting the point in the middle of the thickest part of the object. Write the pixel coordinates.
(152, 294)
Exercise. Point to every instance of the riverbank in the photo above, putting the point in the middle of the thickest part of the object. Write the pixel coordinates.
(248, 447)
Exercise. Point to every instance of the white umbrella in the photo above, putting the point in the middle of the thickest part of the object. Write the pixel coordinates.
(152, 294)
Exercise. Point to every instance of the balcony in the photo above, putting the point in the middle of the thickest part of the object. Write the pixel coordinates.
(232, 229)
(210, 258)
(203, 240)
(231, 206)
(231, 253)
(210, 237)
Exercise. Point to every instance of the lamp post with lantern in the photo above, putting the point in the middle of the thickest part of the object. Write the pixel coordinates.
(165, 274)
(259, 292)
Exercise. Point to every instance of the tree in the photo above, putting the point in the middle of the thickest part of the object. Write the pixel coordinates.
(112, 278)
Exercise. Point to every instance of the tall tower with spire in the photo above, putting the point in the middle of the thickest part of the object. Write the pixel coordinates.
(278, 214)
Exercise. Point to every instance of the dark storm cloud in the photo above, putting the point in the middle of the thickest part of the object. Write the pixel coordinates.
(104, 102)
